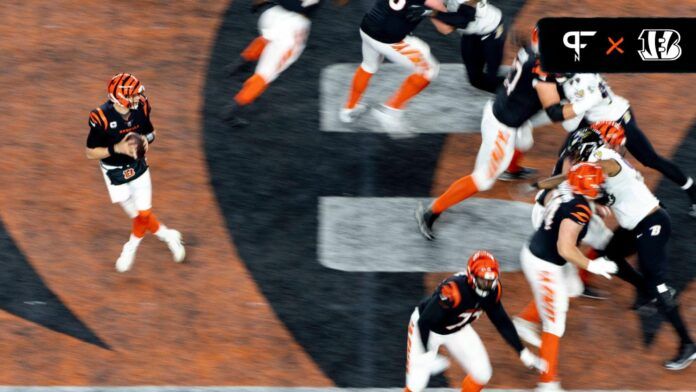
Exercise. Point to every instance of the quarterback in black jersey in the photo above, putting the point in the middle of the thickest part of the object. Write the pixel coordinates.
(386, 32)
(114, 129)
(555, 242)
(444, 318)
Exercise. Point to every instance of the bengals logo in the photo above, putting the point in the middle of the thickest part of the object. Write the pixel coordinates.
(660, 45)
(128, 173)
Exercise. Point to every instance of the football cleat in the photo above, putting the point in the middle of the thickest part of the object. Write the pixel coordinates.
(127, 258)
(425, 218)
(684, 358)
(390, 120)
(554, 386)
(527, 330)
(593, 293)
(176, 245)
(524, 173)
(348, 116)
(239, 66)
(230, 115)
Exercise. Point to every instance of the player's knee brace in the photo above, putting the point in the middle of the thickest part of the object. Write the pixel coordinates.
(524, 139)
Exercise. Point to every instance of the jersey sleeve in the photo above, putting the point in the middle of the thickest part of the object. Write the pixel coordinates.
(448, 294)
(579, 212)
(147, 124)
(460, 18)
(500, 319)
(97, 130)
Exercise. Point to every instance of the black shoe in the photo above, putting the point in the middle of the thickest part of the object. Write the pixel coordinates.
(239, 66)
(524, 173)
(230, 115)
(686, 355)
(593, 293)
(425, 218)
(644, 304)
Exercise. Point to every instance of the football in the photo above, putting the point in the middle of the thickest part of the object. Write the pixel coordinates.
(139, 143)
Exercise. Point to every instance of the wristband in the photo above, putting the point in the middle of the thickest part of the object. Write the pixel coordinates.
(111, 150)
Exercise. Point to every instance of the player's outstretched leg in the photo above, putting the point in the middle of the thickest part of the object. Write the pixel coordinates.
(353, 108)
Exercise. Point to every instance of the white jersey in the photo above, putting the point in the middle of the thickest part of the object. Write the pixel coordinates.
(610, 109)
(634, 201)
(488, 17)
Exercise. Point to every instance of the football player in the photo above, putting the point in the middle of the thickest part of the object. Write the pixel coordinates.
(616, 108)
(482, 42)
(506, 131)
(112, 125)
(386, 33)
(645, 228)
(284, 26)
(445, 318)
(554, 244)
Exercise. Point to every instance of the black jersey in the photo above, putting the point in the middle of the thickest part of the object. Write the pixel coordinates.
(107, 127)
(455, 304)
(516, 101)
(563, 205)
(304, 7)
(386, 21)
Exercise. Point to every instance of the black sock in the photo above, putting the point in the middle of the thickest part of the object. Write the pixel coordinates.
(672, 315)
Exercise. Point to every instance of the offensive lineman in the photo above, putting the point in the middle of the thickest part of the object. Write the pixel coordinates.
(616, 108)
(127, 176)
(386, 33)
(445, 318)
(645, 228)
(506, 131)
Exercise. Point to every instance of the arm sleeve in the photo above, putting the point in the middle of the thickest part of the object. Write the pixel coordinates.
(97, 135)
(459, 19)
(496, 313)
(148, 128)
(431, 315)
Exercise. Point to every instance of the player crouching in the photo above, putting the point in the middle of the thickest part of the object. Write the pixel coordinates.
(120, 134)
(445, 318)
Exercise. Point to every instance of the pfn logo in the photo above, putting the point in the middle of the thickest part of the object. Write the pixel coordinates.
(660, 45)
(576, 45)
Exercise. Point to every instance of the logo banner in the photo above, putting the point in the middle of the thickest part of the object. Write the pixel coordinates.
(617, 44)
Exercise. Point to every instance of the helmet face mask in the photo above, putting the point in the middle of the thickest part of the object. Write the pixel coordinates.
(585, 141)
(126, 90)
(483, 272)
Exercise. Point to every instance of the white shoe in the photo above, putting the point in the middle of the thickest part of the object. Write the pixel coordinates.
(528, 331)
(176, 245)
(127, 258)
(554, 386)
(391, 121)
(439, 365)
(347, 116)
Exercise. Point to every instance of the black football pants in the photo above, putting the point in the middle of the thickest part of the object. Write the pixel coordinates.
(482, 56)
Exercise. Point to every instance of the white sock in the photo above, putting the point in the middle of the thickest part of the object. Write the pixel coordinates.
(162, 232)
(134, 240)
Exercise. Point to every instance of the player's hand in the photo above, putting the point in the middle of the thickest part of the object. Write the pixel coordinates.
(126, 147)
(146, 144)
(417, 11)
(530, 360)
(603, 211)
(602, 266)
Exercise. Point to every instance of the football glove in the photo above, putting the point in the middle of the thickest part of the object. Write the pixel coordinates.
(602, 266)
